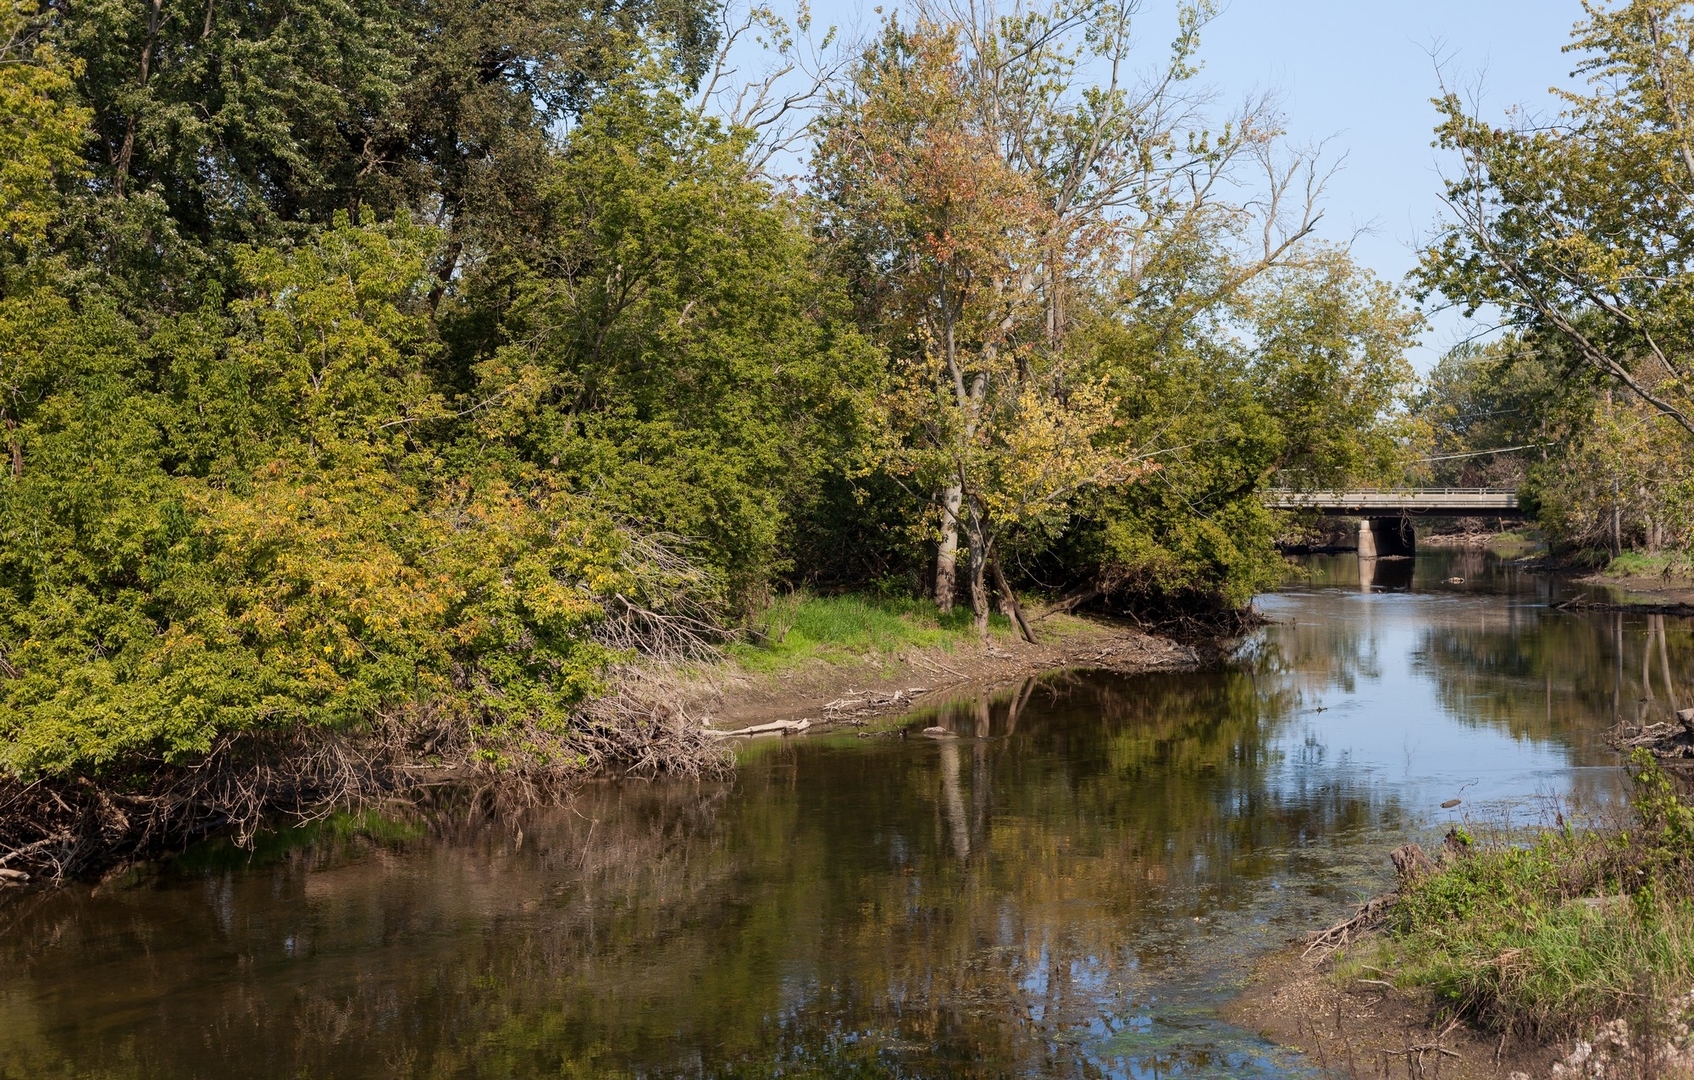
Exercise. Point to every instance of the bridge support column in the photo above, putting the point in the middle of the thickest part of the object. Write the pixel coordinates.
(1386, 537)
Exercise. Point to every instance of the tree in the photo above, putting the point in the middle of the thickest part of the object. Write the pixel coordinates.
(265, 548)
(989, 201)
(916, 182)
(41, 134)
(1487, 412)
(673, 351)
(219, 126)
(1298, 379)
(1582, 226)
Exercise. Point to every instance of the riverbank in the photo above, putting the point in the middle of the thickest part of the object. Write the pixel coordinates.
(815, 662)
(1368, 1029)
(848, 685)
(1566, 953)
(1494, 539)
(1653, 585)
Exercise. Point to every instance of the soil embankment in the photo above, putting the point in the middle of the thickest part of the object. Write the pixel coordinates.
(856, 688)
(1373, 1030)
(1653, 594)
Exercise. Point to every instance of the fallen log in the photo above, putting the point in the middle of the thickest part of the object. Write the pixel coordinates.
(764, 729)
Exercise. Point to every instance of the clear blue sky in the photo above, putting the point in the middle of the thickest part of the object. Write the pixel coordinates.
(1360, 73)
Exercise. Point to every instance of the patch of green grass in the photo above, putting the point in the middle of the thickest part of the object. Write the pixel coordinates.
(1558, 934)
(1514, 538)
(1640, 564)
(801, 627)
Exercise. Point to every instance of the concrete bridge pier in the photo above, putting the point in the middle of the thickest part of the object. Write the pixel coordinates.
(1385, 537)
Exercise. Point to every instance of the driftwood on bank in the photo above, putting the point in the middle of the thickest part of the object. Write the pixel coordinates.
(1664, 740)
(784, 726)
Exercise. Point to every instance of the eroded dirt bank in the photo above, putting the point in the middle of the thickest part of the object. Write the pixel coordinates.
(1372, 1030)
(853, 689)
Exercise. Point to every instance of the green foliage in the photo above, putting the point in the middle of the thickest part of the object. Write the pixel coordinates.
(1601, 469)
(1486, 414)
(1312, 401)
(1561, 222)
(289, 557)
(675, 351)
(1328, 363)
(366, 364)
(41, 132)
(1562, 932)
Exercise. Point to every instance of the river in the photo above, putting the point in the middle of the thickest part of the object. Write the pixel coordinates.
(1069, 887)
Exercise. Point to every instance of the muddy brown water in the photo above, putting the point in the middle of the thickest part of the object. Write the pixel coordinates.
(1068, 887)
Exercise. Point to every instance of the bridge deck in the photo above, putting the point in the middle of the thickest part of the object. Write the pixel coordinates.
(1427, 502)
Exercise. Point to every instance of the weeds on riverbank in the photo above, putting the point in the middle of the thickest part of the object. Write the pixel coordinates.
(1561, 935)
(800, 626)
(1636, 564)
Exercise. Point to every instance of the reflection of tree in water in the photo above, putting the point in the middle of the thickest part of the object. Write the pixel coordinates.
(939, 906)
(1311, 657)
(1566, 679)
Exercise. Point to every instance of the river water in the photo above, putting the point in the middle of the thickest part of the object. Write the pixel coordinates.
(1070, 887)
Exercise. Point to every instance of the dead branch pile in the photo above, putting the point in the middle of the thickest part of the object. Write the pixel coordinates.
(671, 612)
(1664, 740)
(83, 824)
(1369, 916)
(1410, 865)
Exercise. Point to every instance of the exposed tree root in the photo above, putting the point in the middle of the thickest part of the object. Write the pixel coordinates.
(83, 824)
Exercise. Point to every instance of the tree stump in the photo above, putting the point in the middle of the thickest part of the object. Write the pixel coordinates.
(1410, 863)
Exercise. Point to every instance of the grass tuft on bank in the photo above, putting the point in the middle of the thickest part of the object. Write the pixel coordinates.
(1638, 564)
(1556, 936)
(801, 627)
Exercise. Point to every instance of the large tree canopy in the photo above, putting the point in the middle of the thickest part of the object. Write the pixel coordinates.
(1583, 225)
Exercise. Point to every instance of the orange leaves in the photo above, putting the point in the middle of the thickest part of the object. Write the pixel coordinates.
(982, 396)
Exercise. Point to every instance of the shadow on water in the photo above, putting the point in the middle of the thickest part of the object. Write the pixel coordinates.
(1065, 885)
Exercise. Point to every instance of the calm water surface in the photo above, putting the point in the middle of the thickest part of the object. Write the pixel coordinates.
(1069, 888)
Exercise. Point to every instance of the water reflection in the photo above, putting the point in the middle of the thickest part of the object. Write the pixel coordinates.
(1389, 574)
(1065, 884)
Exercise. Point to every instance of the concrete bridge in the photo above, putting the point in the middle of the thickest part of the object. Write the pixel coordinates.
(1385, 517)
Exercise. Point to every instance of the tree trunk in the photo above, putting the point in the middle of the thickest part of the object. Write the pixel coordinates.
(947, 552)
(120, 163)
(1010, 599)
(979, 583)
(1617, 521)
